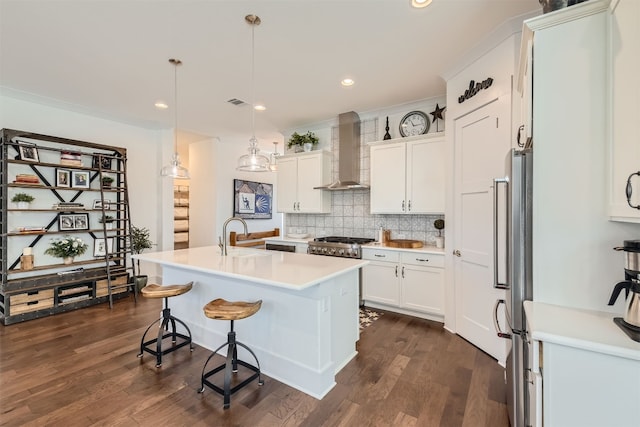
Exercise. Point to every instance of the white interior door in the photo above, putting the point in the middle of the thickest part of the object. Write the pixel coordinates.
(480, 148)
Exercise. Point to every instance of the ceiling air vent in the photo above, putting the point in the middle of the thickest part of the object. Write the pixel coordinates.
(237, 102)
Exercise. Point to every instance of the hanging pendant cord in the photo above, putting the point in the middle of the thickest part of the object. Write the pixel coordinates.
(253, 83)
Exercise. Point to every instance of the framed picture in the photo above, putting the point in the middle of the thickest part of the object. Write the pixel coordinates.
(66, 222)
(63, 178)
(70, 222)
(97, 204)
(28, 152)
(80, 179)
(252, 200)
(102, 246)
(81, 221)
(99, 159)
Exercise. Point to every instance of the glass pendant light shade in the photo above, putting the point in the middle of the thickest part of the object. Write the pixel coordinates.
(254, 161)
(273, 158)
(174, 169)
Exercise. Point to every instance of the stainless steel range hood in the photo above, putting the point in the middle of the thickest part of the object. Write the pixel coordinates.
(348, 154)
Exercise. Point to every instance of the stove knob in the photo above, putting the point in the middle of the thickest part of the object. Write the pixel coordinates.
(333, 251)
(341, 252)
(324, 250)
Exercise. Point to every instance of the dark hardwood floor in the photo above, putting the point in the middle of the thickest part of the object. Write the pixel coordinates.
(80, 368)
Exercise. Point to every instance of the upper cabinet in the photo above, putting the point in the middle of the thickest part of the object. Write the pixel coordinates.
(408, 176)
(298, 175)
(625, 103)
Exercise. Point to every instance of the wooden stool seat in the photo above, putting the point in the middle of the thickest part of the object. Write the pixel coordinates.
(167, 323)
(221, 309)
(166, 291)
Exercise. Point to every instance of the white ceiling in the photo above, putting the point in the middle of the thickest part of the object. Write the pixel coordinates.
(110, 57)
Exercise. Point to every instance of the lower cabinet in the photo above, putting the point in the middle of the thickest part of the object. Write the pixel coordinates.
(407, 282)
(28, 299)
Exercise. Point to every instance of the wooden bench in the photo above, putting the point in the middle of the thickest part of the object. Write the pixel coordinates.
(253, 240)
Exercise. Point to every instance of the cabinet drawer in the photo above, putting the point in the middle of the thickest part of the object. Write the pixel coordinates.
(425, 260)
(380, 255)
(101, 286)
(30, 301)
(30, 296)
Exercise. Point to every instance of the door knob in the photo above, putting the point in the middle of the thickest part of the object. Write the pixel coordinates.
(457, 252)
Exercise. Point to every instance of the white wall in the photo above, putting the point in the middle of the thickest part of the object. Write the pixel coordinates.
(150, 197)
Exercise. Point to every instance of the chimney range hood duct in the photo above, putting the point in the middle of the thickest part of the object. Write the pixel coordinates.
(348, 154)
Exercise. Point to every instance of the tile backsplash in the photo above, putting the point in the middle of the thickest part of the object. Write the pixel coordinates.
(350, 217)
(350, 209)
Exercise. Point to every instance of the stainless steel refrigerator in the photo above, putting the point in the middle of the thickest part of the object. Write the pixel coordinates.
(515, 241)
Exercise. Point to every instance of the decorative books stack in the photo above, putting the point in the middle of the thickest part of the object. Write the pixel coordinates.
(31, 229)
(25, 178)
(70, 158)
(68, 206)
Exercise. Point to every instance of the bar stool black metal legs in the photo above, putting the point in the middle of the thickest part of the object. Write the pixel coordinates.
(154, 346)
(224, 310)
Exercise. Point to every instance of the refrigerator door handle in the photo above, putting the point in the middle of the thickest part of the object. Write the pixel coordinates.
(496, 324)
(496, 183)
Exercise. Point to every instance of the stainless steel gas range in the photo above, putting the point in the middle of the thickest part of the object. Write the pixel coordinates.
(344, 247)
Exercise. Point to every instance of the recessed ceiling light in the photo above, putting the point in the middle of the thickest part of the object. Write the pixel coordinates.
(420, 3)
(259, 107)
(161, 105)
(347, 82)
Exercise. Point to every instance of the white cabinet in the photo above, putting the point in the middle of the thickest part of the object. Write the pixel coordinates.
(408, 176)
(298, 174)
(625, 104)
(408, 282)
(584, 370)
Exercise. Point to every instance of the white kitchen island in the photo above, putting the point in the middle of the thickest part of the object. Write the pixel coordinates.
(307, 328)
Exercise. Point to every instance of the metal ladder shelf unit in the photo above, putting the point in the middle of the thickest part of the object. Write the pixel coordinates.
(66, 173)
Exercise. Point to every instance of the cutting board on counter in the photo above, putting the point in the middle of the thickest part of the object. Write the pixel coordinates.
(404, 243)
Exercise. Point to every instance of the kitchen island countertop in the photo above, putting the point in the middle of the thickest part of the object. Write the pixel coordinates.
(275, 268)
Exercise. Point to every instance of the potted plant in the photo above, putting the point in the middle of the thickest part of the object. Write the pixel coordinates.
(66, 248)
(107, 220)
(300, 142)
(140, 240)
(107, 181)
(22, 200)
(439, 225)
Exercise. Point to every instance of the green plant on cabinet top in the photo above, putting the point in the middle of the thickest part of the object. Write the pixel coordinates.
(300, 140)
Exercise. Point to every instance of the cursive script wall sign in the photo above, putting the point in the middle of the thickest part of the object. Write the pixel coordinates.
(474, 88)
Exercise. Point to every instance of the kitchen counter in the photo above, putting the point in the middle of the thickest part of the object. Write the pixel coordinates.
(582, 329)
(307, 328)
(425, 249)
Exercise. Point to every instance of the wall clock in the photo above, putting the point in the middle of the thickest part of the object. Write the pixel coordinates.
(414, 123)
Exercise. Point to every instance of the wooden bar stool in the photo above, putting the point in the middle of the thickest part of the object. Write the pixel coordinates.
(221, 309)
(158, 291)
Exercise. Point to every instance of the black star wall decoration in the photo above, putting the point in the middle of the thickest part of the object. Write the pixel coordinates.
(437, 114)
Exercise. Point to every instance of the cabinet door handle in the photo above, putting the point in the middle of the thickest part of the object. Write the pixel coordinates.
(496, 324)
(409, 206)
(629, 190)
(403, 206)
(396, 271)
(422, 259)
(379, 255)
(403, 271)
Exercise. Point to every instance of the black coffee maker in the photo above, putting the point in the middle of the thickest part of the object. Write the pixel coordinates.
(630, 323)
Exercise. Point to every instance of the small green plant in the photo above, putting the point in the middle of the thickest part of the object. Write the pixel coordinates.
(439, 225)
(66, 247)
(297, 139)
(140, 240)
(22, 197)
(107, 180)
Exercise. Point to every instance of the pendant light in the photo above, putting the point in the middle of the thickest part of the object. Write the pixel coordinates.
(253, 162)
(273, 158)
(175, 169)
